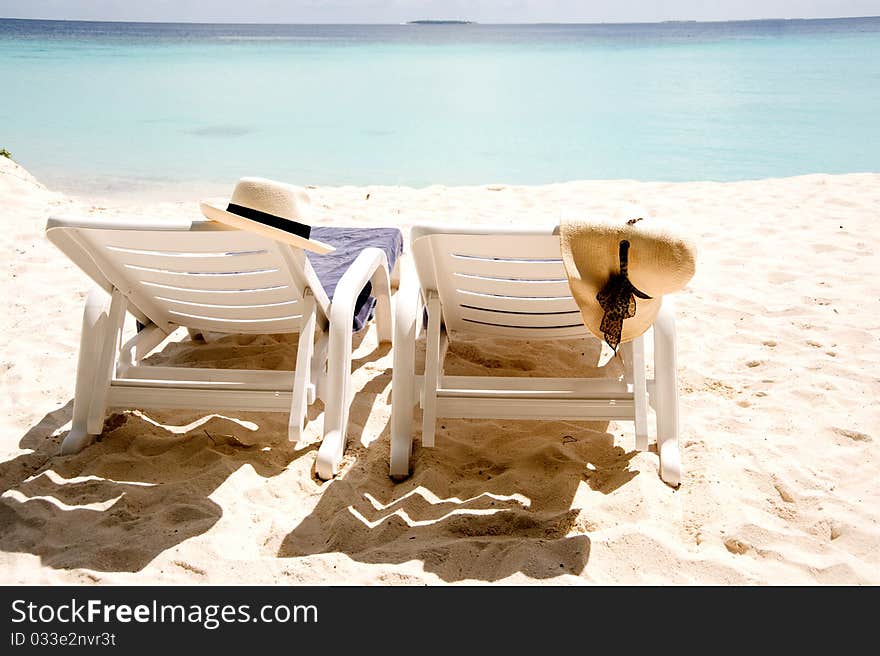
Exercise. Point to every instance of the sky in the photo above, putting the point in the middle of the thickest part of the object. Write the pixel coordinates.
(396, 11)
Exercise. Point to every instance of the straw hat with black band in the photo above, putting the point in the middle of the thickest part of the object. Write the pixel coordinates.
(277, 210)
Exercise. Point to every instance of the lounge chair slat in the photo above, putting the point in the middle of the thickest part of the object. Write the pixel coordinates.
(522, 320)
(497, 330)
(208, 240)
(253, 311)
(511, 269)
(229, 296)
(215, 262)
(248, 326)
(259, 279)
(496, 287)
(540, 246)
(507, 304)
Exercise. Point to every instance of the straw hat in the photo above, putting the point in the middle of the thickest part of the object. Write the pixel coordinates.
(660, 260)
(277, 210)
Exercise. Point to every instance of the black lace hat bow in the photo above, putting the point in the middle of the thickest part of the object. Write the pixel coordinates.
(618, 299)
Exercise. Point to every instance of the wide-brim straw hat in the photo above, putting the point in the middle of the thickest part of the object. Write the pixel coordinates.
(661, 259)
(277, 210)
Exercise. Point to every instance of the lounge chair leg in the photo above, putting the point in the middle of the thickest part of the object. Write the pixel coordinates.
(319, 368)
(338, 398)
(337, 405)
(403, 392)
(666, 383)
(98, 344)
(304, 353)
(625, 352)
(432, 371)
(640, 393)
(107, 354)
(633, 354)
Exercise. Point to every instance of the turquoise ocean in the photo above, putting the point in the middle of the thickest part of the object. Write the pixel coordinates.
(116, 108)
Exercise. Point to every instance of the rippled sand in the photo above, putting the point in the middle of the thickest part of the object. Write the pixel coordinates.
(779, 349)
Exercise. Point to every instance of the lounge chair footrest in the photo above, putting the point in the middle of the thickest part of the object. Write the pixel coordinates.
(465, 407)
(132, 396)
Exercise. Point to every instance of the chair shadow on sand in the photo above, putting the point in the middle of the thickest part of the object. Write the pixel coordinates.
(143, 487)
(492, 499)
(124, 500)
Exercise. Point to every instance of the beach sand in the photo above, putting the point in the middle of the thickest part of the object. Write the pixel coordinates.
(779, 354)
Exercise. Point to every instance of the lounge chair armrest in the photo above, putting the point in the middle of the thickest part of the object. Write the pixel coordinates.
(409, 304)
(404, 392)
(370, 266)
(407, 321)
(395, 274)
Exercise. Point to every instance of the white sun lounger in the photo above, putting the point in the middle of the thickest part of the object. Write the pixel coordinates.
(207, 277)
(511, 282)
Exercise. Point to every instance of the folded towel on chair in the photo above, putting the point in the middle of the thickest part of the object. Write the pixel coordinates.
(618, 270)
(349, 243)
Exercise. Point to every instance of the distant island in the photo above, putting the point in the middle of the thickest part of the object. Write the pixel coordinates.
(440, 22)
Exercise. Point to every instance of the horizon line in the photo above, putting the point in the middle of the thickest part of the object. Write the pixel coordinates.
(408, 22)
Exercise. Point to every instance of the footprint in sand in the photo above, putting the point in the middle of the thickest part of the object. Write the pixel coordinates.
(473, 355)
(737, 547)
(824, 248)
(851, 434)
(784, 493)
(780, 278)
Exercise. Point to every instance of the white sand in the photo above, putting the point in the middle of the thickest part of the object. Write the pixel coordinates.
(779, 353)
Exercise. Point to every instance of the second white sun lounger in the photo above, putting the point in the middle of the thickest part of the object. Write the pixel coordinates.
(509, 282)
(208, 277)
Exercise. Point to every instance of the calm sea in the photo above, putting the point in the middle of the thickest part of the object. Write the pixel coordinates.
(132, 107)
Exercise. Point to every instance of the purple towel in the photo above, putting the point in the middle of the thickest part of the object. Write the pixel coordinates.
(349, 243)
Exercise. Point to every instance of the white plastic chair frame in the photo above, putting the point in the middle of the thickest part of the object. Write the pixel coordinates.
(511, 282)
(202, 275)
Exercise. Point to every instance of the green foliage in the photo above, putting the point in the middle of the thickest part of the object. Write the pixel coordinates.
(5, 153)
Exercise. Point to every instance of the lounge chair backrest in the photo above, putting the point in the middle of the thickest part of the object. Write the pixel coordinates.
(498, 281)
(197, 274)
